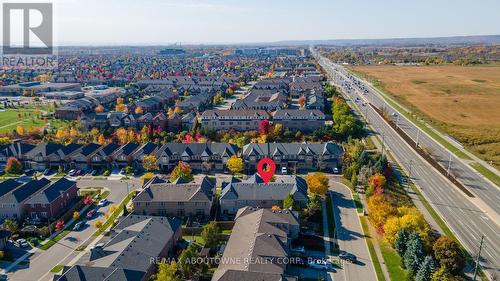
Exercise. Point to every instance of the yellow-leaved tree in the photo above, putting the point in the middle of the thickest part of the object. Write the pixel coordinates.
(235, 165)
(317, 183)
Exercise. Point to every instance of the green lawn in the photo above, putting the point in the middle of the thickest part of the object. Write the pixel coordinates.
(392, 261)
(371, 249)
(57, 268)
(487, 173)
(27, 117)
(357, 202)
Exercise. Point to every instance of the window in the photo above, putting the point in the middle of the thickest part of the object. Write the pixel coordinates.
(180, 203)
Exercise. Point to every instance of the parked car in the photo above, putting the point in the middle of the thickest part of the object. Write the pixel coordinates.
(78, 172)
(94, 172)
(22, 243)
(284, 170)
(46, 172)
(102, 202)
(90, 214)
(299, 249)
(347, 257)
(97, 246)
(29, 172)
(318, 264)
(335, 170)
(72, 172)
(79, 225)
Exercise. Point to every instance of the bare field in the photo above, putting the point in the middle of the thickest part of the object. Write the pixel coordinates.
(461, 101)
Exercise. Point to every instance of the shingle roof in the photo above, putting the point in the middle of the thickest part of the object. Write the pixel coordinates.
(128, 148)
(28, 189)
(52, 192)
(70, 148)
(8, 185)
(89, 273)
(258, 235)
(131, 244)
(315, 114)
(110, 148)
(89, 148)
(201, 149)
(291, 148)
(255, 189)
(201, 189)
(233, 113)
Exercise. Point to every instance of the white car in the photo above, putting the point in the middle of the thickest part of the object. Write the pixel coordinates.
(318, 264)
(284, 170)
(102, 202)
(22, 243)
(335, 170)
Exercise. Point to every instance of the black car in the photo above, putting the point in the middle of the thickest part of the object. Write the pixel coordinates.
(347, 257)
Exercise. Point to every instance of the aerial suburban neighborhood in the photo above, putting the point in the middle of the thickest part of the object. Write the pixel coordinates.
(246, 152)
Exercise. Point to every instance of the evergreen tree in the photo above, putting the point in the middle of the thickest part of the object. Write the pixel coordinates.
(426, 269)
(414, 254)
(400, 242)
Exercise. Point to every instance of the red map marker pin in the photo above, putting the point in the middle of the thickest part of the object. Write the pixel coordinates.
(266, 168)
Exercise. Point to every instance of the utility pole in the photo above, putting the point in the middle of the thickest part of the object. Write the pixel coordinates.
(449, 166)
(478, 257)
(416, 141)
(409, 175)
(383, 142)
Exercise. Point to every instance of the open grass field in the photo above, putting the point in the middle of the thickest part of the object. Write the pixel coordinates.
(29, 117)
(463, 102)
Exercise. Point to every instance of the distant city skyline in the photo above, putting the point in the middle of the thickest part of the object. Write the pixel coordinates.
(159, 22)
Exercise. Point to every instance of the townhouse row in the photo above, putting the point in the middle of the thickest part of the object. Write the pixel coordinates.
(202, 157)
(306, 120)
(37, 199)
(197, 198)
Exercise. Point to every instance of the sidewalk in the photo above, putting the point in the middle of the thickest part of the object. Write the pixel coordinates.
(327, 240)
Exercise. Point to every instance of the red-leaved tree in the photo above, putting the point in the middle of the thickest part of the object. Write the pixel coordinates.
(264, 127)
(59, 224)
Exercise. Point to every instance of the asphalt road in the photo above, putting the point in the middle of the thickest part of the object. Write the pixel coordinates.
(64, 251)
(350, 235)
(462, 215)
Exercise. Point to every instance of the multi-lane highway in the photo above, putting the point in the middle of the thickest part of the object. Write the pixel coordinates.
(465, 216)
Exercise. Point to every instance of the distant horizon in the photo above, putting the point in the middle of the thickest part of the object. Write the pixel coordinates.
(263, 43)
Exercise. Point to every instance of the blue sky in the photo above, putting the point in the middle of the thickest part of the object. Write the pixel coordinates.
(226, 21)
